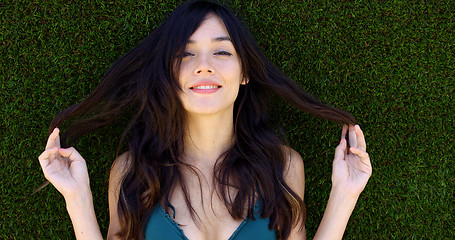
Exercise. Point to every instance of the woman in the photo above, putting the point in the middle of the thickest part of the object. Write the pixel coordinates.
(202, 160)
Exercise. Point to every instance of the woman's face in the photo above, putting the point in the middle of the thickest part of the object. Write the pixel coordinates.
(210, 73)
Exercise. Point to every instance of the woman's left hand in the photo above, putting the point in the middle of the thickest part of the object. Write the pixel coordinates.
(351, 169)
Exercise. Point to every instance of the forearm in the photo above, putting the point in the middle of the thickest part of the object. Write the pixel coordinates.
(82, 214)
(336, 215)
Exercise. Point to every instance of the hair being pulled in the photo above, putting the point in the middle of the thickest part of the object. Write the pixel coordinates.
(143, 85)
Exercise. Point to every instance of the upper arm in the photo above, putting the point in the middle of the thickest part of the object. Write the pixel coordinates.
(118, 170)
(294, 175)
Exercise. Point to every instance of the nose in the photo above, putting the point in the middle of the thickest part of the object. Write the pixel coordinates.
(203, 66)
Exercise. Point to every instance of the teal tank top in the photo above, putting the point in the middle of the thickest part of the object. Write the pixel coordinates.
(161, 226)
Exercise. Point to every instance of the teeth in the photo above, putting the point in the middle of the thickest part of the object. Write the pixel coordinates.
(205, 87)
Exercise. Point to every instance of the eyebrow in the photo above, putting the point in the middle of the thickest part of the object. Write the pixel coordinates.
(217, 39)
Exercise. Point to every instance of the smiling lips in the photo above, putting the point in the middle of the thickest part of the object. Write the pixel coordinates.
(205, 87)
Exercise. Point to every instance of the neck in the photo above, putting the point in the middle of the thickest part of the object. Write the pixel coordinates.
(207, 137)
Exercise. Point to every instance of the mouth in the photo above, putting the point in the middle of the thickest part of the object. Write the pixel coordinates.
(205, 87)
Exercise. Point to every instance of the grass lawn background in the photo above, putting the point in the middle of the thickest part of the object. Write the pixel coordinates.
(390, 63)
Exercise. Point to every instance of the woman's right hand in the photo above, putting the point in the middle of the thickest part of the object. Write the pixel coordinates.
(64, 168)
(67, 171)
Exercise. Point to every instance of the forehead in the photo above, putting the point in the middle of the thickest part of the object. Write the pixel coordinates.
(211, 27)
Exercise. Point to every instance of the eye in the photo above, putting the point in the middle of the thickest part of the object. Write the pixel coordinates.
(223, 53)
(187, 54)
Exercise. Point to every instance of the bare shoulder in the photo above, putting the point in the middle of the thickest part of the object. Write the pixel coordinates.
(120, 165)
(118, 170)
(294, 171)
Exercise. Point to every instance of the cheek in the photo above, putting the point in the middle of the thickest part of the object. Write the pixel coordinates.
(182, 74)
(232, 70)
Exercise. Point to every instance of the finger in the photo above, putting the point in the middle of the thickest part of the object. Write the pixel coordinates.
(344, 136)
(360, 138)
(54, 139)
(352, 136)
(47, 156)
(344, 131)
(70, 153)
(340, 150)
(364, 156)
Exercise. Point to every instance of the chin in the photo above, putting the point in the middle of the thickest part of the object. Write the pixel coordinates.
(210, 110)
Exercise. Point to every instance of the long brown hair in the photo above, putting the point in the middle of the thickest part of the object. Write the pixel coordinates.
(142, 83)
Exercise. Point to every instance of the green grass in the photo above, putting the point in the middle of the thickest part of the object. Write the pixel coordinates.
(390, 63)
